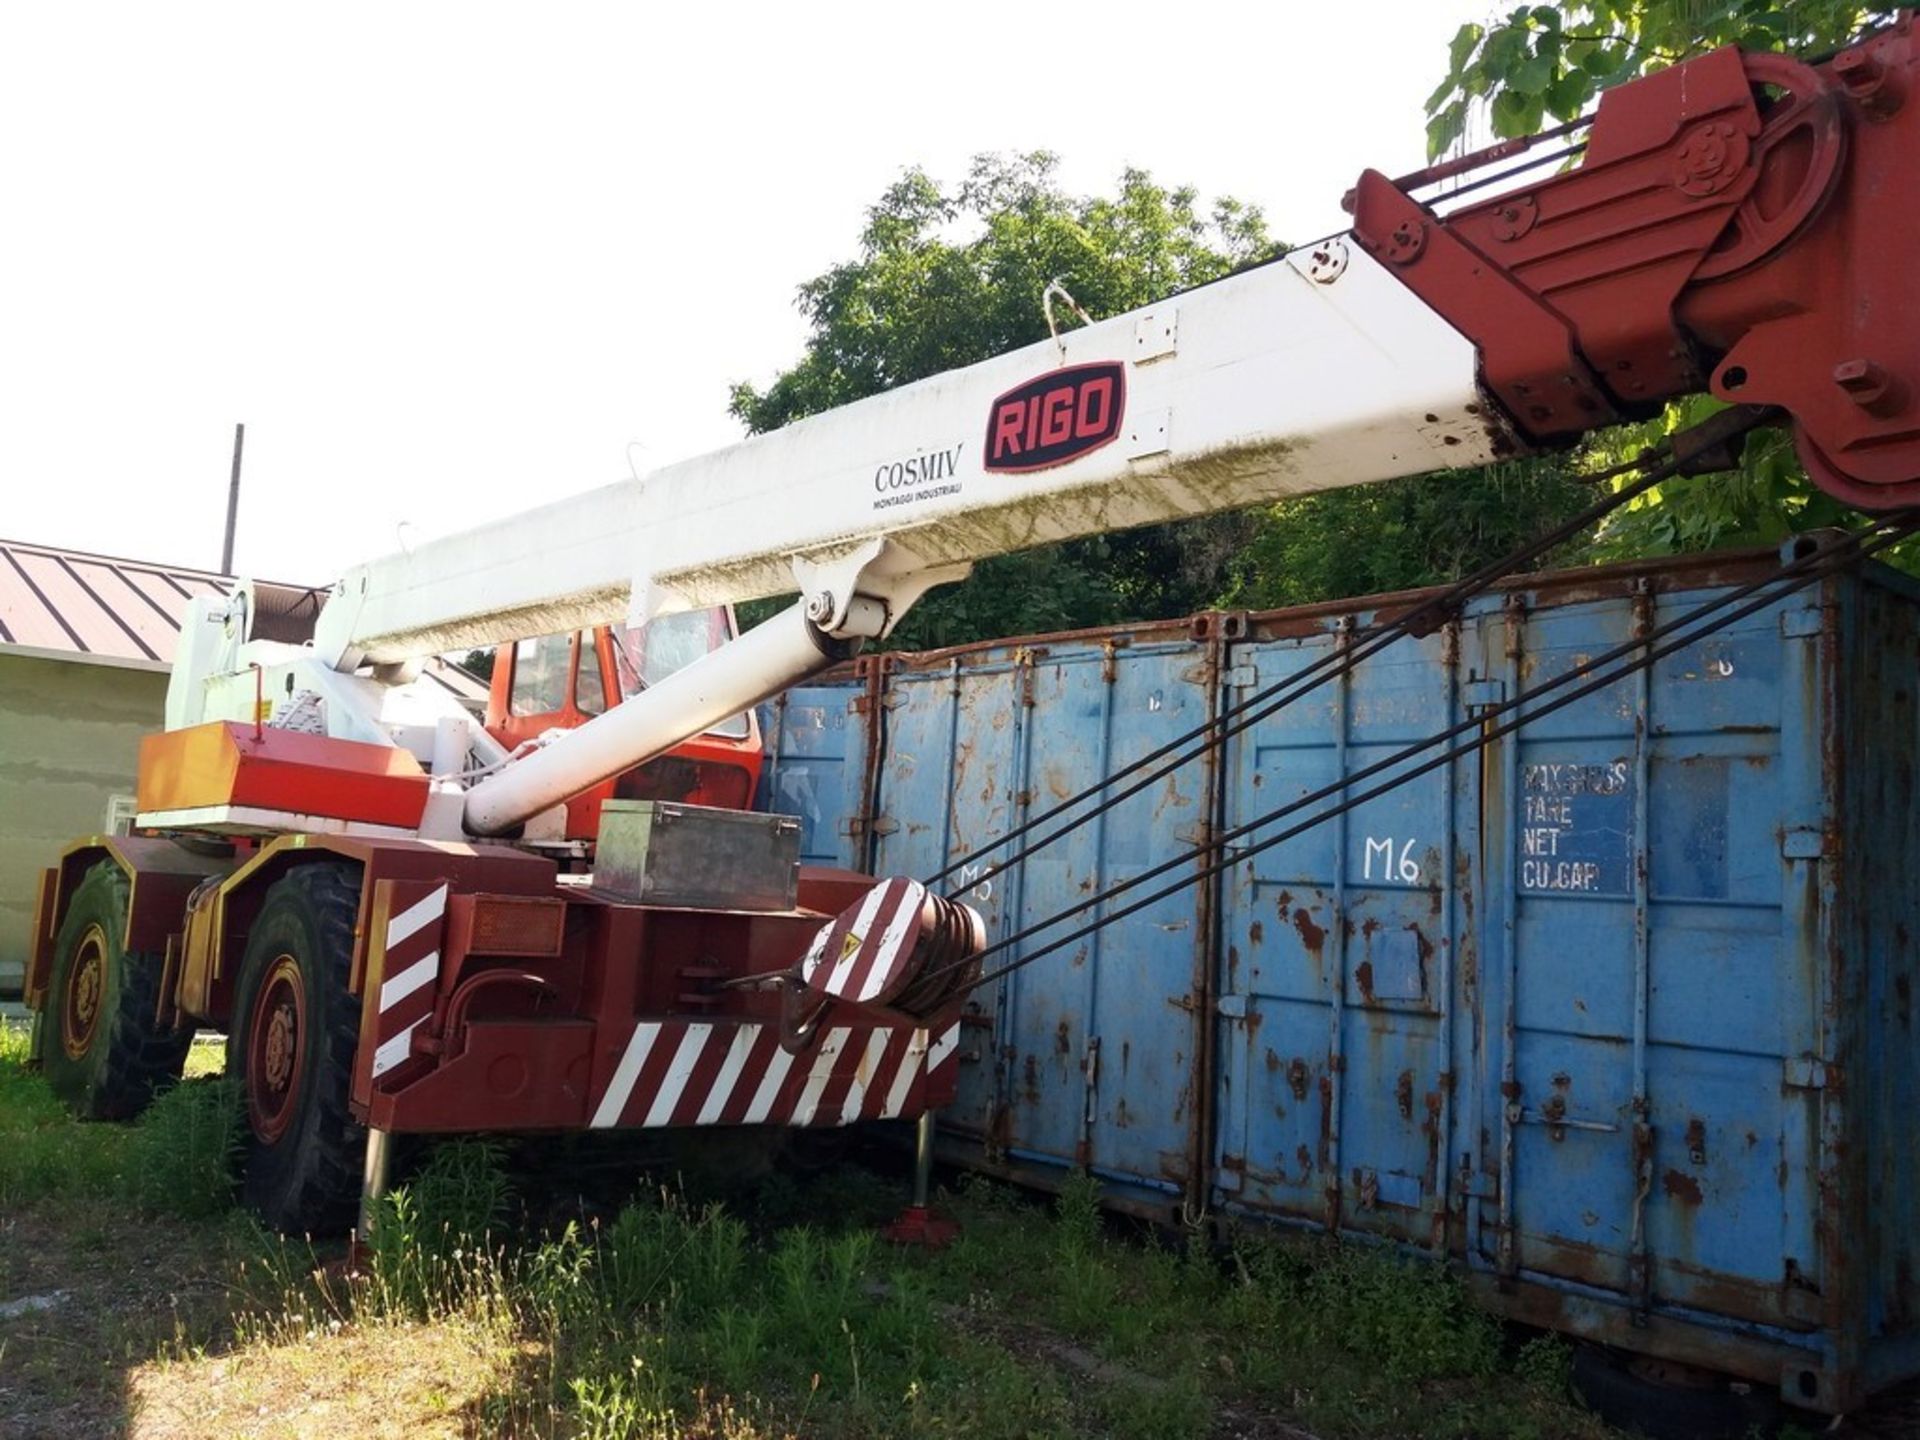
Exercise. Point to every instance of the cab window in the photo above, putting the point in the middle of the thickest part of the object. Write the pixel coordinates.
(540, 675)
(541, 667)
(589, 693)
(650, 653)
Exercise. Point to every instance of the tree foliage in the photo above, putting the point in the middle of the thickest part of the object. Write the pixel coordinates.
(947, 277)
(1548, 63)
(1405, 534)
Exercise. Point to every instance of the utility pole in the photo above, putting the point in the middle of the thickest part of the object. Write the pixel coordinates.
(233, 501)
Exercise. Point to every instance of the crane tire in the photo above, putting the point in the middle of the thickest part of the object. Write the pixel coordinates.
(291, 1046)
(102, 1047)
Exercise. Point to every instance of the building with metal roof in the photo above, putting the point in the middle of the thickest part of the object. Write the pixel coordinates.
(86, 642)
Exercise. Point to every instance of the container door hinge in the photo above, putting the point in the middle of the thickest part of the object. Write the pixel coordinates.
(1479, 695)
(1231, 1007)
(863, 704)
(855, 826)
(1804, 1072)
(1806, 623)
(1804, 842)
(1480, 1186)
(1241, 677)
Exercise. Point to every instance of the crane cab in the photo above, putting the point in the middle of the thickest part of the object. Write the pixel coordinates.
(562, 681)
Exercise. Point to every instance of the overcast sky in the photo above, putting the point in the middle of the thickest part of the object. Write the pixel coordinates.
(446, 261)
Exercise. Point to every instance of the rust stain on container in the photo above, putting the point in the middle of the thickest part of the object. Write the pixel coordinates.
(1681, 1187)
(1313, 936)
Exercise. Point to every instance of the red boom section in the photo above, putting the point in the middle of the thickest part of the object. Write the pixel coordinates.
(1745, 223)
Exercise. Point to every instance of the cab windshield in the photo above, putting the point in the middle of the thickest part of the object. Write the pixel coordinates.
(647, 655)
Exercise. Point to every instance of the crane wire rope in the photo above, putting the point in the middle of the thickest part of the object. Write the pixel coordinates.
(1237, 716)
(1820, 560)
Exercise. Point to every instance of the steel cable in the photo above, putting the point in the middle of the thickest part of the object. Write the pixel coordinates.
(1241, 714)
(1823, 560)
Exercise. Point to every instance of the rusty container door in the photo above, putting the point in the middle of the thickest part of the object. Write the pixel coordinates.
(1088, 1056)
(1335, 1013)
(1645, 1122)
(818, 737)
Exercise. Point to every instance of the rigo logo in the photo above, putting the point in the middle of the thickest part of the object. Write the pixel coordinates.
(1056, 417)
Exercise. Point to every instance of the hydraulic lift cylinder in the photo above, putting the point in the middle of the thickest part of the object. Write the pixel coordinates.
(784, 651)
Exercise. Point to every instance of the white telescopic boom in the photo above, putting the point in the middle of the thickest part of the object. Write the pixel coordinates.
(1316, 371)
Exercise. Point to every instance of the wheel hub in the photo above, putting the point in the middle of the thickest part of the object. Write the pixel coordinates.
(80, 1006)
(281, 1034)
(276, 1035)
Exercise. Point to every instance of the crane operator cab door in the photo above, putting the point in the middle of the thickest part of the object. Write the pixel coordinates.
(554, 682)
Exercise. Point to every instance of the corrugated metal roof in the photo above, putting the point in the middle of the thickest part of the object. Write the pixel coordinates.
(98, 607)
(69, 604)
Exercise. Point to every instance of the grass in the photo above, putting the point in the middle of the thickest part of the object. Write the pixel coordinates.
(483, 1309)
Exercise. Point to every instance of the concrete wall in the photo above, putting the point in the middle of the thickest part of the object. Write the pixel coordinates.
(69, 738)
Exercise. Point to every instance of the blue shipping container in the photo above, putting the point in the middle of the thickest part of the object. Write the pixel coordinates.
(1615, 1012)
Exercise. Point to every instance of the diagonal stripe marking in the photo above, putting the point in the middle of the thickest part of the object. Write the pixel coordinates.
(910, 1070)
(838, 976)
(943, 1047)
(884, 967)
(769, 1091)
(391, 1052)
(416, 917)
(421, 972)
(692, 1041)
(639, 1046)
(744, 1039)
(868, 1072)
(821, 1073)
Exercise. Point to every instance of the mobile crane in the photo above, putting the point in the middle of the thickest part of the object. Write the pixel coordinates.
(385, 905)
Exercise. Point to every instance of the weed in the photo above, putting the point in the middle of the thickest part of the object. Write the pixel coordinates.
(1176, 1409)
(1545, 1365)
(682, 1317)
(463, 1188)
(185, 1150)
(177, 1159)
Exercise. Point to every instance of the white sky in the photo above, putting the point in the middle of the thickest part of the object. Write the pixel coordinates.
(447, 261)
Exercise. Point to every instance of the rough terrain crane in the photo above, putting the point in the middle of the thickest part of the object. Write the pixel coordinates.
(381, 902)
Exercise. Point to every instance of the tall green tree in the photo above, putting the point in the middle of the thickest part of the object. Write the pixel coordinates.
(946, 277)
(1545, 64)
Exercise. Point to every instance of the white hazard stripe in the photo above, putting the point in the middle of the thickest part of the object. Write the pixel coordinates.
(744, 1039)
(391, 1052)
(628, 1071)
(816, 951)
(910, 1070)
(770, 1084)
(943, 1047)
(416, 917)
(858, 934)
(398, 987)
(821, 1073)
(674, 1083)
(913, 897)
(869, 1068)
